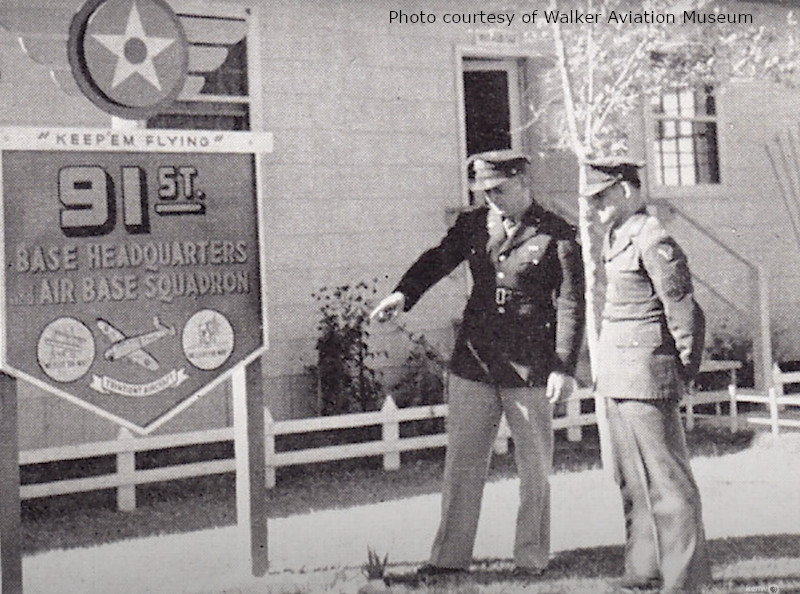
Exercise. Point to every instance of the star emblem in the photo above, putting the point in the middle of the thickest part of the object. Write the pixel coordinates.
(134, 50)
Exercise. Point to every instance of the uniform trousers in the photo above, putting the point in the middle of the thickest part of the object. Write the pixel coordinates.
(661, 502)
(473, 419)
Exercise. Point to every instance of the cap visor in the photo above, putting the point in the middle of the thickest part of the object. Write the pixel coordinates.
(482, 185)
(592, 189)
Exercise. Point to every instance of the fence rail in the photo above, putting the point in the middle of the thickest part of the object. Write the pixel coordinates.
(389, 447)
(777, 402)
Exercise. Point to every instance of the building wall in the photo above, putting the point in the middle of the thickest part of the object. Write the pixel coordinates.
(366, 165)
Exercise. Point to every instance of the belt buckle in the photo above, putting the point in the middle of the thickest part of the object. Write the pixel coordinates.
(501, 295)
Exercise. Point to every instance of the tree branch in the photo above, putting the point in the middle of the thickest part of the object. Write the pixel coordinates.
(566, 87)
(618, 84)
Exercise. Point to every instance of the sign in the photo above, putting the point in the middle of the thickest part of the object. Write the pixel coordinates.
(132, 277)
(129, 57)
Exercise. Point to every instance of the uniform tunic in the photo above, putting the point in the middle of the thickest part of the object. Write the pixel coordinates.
(524, 317)
(652, 331)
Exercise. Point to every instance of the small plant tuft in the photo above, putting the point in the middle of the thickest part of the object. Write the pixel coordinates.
(375, 567)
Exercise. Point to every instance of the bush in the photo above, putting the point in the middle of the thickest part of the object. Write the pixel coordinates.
(726, 344)
(422, 379)
(345, 380)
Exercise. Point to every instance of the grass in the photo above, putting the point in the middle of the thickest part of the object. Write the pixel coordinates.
(752, 564)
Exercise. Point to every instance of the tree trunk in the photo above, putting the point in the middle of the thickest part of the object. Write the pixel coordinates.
(591, 242)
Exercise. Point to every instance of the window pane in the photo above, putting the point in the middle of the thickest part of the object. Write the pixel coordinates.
(707, 101)
(670, 104)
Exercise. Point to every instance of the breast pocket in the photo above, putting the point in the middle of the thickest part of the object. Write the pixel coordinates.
(626, 260)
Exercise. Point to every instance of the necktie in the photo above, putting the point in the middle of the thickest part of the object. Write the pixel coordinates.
(510, 225)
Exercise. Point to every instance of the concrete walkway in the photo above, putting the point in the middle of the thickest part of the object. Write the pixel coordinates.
(743, 494)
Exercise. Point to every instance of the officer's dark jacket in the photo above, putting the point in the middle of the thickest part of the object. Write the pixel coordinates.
(525, 315)
(651, 339)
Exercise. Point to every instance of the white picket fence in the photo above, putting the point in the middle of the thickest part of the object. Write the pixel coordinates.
(389, 447)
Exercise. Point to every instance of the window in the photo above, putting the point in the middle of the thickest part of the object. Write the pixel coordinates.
(685, 144)
(216, 95)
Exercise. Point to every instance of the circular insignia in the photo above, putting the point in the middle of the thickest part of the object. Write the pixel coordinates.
(207, 339)
(129, 57)
(65, 350)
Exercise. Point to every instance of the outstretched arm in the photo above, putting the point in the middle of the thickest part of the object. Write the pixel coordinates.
(430, 268)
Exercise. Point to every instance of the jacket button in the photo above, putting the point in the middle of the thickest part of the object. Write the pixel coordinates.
(501, 309)
(501, 275)
(502, 258)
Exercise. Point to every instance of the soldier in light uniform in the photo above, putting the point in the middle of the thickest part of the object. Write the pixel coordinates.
(516, 352)
(651, 342)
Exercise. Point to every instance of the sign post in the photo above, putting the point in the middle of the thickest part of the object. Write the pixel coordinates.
(251, 509)
(10, 534)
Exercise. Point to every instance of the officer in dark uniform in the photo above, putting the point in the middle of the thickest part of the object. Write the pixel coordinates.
(515, 352)
(651, 341)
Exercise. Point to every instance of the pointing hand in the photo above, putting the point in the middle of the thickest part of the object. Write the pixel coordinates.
(389, 307)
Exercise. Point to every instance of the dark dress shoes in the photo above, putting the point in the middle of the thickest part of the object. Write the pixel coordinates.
(433, 571)
(636, 583)
(527, 573)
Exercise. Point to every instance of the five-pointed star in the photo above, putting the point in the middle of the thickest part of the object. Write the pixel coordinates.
(141, 64)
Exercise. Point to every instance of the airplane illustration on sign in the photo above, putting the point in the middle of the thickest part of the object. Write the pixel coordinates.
(132, 347)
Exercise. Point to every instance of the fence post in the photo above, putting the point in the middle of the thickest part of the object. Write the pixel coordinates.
(126, 471)
(688, 398)
(777, 382)
(501, 441)
(270, 479)
(574, 428)
(733, 408)
(773, 411)
(390, 435)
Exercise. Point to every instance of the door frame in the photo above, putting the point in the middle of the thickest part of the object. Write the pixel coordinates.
(509, 59)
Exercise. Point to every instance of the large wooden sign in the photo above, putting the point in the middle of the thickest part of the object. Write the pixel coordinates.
(132, 277)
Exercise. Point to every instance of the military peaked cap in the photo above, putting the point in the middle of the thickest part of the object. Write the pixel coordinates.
(492, 168)
(604, 173)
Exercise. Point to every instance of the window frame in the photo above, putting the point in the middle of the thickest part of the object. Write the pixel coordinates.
(650, 121)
